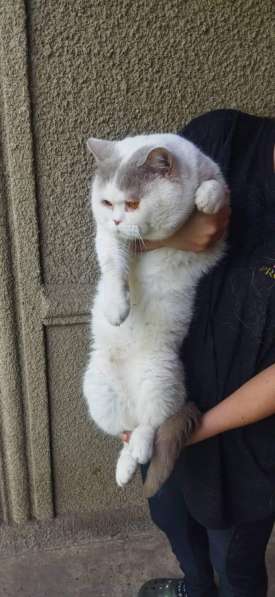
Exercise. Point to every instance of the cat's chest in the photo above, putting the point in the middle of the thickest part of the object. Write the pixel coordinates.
(161, 272)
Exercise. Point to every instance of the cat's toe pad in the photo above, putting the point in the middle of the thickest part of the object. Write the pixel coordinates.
(141, 444)
(210, 196)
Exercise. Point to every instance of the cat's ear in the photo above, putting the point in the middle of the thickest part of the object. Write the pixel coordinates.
(160, 160)
(100, 148)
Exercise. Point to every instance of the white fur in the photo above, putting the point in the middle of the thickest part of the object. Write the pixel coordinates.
(144, 303)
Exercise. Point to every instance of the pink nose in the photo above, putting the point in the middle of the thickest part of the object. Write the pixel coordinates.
(117, 222)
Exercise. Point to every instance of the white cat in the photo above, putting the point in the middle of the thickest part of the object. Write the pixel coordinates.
(145, 187)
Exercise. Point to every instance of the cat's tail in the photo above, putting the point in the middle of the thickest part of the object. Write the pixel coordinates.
(171, 438)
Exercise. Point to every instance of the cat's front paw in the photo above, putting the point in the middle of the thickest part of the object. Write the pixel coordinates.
(117, 307)
(141, 444)
(210, 196)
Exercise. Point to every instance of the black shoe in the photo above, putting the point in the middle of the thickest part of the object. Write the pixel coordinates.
(163, 587)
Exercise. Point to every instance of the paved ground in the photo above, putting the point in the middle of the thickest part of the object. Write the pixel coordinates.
(112, 567)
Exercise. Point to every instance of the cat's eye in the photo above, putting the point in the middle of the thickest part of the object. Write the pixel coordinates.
(106, 203)
(131, 205)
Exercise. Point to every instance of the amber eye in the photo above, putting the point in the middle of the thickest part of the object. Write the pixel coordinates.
(106, 203)
(131, 205)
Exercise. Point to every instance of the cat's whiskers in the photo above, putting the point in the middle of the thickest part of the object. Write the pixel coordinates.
(141, 241)
(132, 237)
(135, 246)
(130, 231)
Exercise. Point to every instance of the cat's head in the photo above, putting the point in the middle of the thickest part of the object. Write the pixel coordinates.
(144, 186)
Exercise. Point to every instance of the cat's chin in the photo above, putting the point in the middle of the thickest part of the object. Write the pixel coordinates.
(160, 234)
(134, 233)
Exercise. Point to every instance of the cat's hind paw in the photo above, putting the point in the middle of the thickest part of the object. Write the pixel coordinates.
(126, 466)
(141, 444)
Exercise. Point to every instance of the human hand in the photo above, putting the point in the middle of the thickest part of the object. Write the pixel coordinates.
(198, 234)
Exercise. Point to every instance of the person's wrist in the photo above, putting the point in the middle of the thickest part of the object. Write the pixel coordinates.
(204, 430)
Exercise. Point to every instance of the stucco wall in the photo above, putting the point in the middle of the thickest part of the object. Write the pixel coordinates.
(70, 69)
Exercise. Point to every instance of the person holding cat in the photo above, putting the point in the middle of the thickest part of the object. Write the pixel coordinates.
(217, 508)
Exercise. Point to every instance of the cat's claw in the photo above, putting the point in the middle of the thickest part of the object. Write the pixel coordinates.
(210, 196)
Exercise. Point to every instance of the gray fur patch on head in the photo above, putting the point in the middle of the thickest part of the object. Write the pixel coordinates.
(106, 156)
(107, 169)
(136, 174)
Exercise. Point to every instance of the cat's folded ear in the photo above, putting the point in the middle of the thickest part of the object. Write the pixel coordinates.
(159, 159)
(100, 148)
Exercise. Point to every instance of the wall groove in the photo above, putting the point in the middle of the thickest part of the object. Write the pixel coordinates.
(14, 472)
(25, 247)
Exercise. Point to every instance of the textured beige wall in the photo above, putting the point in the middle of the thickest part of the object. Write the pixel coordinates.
(70, 69)
(115, 67)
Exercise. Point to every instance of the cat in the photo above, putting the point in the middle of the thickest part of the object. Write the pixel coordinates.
(146, 187)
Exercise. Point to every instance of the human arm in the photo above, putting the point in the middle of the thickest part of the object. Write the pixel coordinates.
(252, 402)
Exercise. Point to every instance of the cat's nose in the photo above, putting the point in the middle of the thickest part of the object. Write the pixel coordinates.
(117, 222)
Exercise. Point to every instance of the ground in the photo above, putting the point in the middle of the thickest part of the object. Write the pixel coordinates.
(102, 567)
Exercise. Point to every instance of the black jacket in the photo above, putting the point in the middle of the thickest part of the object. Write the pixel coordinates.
(231, 478)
